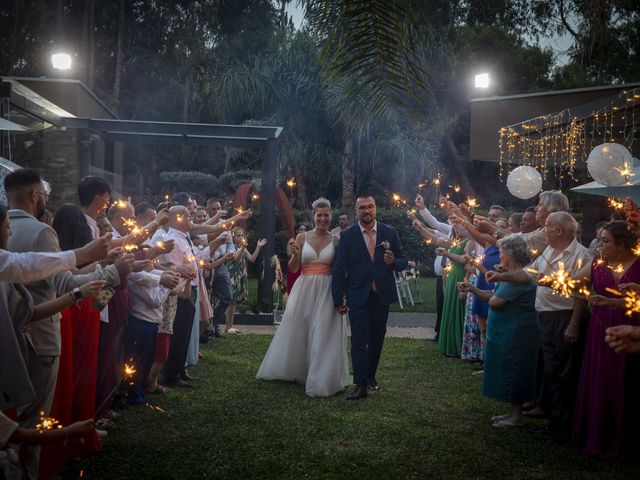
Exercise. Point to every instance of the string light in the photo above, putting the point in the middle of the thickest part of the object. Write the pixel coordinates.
(562, 137)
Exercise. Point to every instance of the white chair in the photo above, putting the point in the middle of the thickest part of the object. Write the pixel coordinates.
(403, 289)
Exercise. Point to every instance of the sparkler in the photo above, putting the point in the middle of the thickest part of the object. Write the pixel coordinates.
(472, 202)
(455, 243)
(618, 268)
(155, 407)
(626, 172)
(130, 247)
(477, 260)
(180, 218)
(120, 203)
(47, 424)
(533, 251)
(447, 268)
(129, 369)
(428, 241)
(160, 244)
(456, 189)
(615, 203)
(631, 303)
(255, 197)
(559, 281)
(636, 250)
(291, 183)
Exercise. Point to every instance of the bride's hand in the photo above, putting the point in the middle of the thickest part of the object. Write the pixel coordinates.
(294, 249)
(342, 309)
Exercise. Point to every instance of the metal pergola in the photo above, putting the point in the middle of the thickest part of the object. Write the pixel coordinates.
(114, 131)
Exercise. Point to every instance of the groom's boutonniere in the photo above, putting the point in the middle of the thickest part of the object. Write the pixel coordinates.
(385, 244)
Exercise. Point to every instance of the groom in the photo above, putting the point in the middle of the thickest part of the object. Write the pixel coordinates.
(363, 284)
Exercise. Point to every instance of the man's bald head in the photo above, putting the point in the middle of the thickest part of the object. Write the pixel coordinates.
(179, 218)
(560, 225)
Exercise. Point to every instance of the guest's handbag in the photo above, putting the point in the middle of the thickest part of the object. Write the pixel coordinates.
(206, 310)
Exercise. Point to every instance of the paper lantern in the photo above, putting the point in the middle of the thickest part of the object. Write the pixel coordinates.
(610, 164)
(524, 182)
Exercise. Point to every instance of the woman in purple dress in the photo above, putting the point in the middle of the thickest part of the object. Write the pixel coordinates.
(606, 418)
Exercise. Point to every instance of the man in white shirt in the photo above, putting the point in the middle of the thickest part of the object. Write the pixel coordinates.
(560, 318)
(184, 257)
(148, 291)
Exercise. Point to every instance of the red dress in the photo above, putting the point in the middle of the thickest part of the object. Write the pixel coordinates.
(75, 395)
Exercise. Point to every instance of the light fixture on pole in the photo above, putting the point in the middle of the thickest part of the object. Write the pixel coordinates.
(482, 80)
(61, 61)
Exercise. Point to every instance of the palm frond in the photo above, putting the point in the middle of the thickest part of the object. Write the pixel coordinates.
(372, 49)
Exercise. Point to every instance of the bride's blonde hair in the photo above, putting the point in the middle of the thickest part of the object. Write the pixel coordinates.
(320, 202)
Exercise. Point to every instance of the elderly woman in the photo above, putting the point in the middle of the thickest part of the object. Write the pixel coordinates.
(511, 354)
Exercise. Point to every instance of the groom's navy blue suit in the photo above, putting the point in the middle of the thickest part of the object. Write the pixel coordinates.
(353, 275)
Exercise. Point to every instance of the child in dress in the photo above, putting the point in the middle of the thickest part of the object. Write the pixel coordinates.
(165, 330)
(238, 272)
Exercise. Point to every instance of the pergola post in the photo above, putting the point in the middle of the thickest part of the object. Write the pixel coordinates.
(268, 217)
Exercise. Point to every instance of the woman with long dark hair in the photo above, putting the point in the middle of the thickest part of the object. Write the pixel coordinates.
(606, 420)
(75, 396)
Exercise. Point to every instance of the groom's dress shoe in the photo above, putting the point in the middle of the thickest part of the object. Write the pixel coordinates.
(358, 393)
(372, 384)
(186, 377)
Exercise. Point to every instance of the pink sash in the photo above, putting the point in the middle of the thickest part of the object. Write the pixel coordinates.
(316, 269)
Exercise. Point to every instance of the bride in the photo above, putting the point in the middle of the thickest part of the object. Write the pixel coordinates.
(310, 345)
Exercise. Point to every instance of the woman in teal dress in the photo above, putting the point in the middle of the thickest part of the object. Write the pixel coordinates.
(453, 310)
(513, 332)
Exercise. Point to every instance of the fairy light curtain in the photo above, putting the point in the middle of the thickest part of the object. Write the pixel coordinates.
(557, 142)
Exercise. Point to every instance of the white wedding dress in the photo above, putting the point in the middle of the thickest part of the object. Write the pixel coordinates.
(310, 346)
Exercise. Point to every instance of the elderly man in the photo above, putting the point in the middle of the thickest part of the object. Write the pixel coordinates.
(549, 202)
(560, 317)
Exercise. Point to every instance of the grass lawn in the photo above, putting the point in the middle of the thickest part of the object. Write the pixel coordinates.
(423, 291)
(428, 420)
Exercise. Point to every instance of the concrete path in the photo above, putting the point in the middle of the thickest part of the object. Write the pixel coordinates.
(400, 324)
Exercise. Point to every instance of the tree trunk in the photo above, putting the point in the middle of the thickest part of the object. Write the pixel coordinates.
(115, 96)
(348, 177)
(298, 173)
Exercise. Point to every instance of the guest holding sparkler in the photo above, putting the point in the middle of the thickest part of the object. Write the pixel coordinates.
(606, 421)
(560, 318)
(511, 351)
(238, 272)
(453, 312)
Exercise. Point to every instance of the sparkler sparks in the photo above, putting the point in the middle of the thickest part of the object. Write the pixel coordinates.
(428, 241)
(180, 218)
(436, 181)
(129, 370)
(477, 260)
(626, 171)
(559, 281)
(120, 203)
(129, 247)
(291, 183)
(472, 202)
(456, 189)
(636, 250)
(47, 424)
(618, 268)
(615, 203)
(160, 244)
(631, 303)
(533, 251)
(455, 243)
(447, 268)
(255, 197)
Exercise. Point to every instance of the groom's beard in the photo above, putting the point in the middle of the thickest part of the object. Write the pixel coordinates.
(367, 219)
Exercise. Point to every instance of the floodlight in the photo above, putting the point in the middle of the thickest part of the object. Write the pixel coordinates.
(482, 80)
(61, 61)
